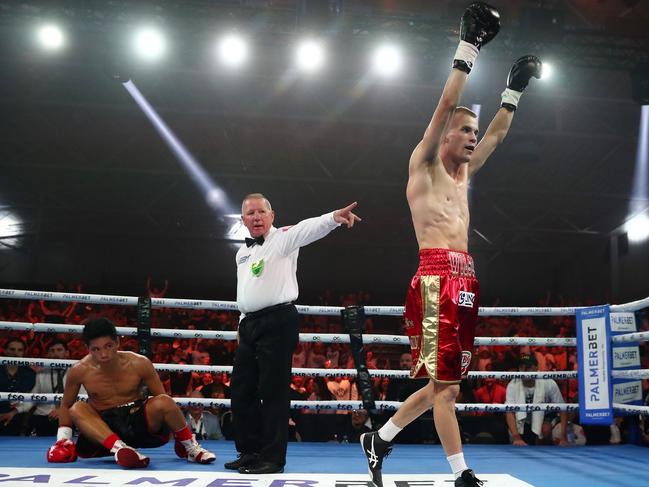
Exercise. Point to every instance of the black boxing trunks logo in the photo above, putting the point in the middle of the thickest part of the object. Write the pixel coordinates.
(465, 362)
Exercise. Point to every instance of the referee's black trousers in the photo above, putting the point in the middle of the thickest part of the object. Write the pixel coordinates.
(260, 385)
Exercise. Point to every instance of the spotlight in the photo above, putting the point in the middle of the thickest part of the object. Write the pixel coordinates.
(387, 60)
(637, 228)
(51, 37)
(310, 56)
(233, 51)
(149, 44)
(547, 71)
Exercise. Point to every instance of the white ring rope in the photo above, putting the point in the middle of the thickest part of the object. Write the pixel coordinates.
(630, 374)
(315, 405)
(304, 337)
(631, 337)
(313, 310)
(399, 374)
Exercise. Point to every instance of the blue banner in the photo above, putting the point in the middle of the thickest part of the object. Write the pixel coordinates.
(594, 355)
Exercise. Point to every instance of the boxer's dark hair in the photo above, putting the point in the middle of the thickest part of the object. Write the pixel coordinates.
(97, 328)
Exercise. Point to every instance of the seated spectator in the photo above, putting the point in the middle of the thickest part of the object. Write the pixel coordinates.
(524, 427)
(14, 378)
(299, 356)
(333, 355)
(574, 432)
(382, 388)
(484, 358)
(203, 424)
(44, 420)
(491, 392)
(357, 424)
(316, 357)
(200, 355)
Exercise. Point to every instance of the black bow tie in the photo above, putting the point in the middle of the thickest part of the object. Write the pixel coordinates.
(252, 241)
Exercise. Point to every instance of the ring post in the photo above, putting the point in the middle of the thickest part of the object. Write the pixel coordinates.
(354, 322)
(144, 325)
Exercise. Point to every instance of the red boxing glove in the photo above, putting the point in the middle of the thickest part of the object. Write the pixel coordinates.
(63, 451)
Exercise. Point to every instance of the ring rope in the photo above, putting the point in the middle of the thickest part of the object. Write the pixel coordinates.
(631, 337)
(630, 374)
(314, 310)
(316, 405)
(304, 337)
(399, 374)
(630, 408)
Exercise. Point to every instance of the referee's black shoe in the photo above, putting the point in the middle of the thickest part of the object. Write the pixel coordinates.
(244, 460)
(468, 479)
(375, 450)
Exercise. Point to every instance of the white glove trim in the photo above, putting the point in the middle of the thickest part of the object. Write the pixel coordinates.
(466, 52)
(511, 96)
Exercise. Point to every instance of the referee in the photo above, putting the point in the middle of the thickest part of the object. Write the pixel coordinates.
(268, 330)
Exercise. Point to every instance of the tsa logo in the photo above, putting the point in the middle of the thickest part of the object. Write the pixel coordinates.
(466, 299)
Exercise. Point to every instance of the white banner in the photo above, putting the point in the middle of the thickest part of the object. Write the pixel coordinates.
(626, 392)
(626, 357)
(622, 322)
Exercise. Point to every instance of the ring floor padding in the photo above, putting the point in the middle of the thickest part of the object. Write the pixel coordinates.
(23, 463)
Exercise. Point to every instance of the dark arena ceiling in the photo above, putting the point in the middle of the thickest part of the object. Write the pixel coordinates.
(101, 199)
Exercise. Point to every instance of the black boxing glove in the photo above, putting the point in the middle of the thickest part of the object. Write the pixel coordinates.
(480, 23)
(519, 76)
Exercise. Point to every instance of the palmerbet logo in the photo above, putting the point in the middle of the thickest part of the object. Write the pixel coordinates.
(626, 355)
(631, 390)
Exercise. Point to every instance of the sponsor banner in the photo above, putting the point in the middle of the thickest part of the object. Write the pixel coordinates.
(627, 392)
(22, 477)
(622, 323)
(593, 353)
(626, 357)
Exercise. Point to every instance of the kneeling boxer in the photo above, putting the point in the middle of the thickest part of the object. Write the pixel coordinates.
(116, 419)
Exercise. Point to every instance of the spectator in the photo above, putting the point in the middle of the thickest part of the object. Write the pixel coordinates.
(357, 424)
(200, 355)
(299, 356)
(491, 392)
(524, 427)
(14, 378)
(316, 357)
(44, 420)
(574, 432)
(203, 424)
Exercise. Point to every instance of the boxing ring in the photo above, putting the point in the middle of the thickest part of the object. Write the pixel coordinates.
(23, 461)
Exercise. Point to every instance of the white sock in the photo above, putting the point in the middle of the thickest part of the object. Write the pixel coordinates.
(389, 431)
(457, 464)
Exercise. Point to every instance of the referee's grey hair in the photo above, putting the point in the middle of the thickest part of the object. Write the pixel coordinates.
(255, 196)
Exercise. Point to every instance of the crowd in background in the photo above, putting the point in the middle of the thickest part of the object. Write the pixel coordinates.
(329, 425)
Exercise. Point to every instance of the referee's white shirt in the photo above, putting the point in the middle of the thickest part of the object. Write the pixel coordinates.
(266, 274)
